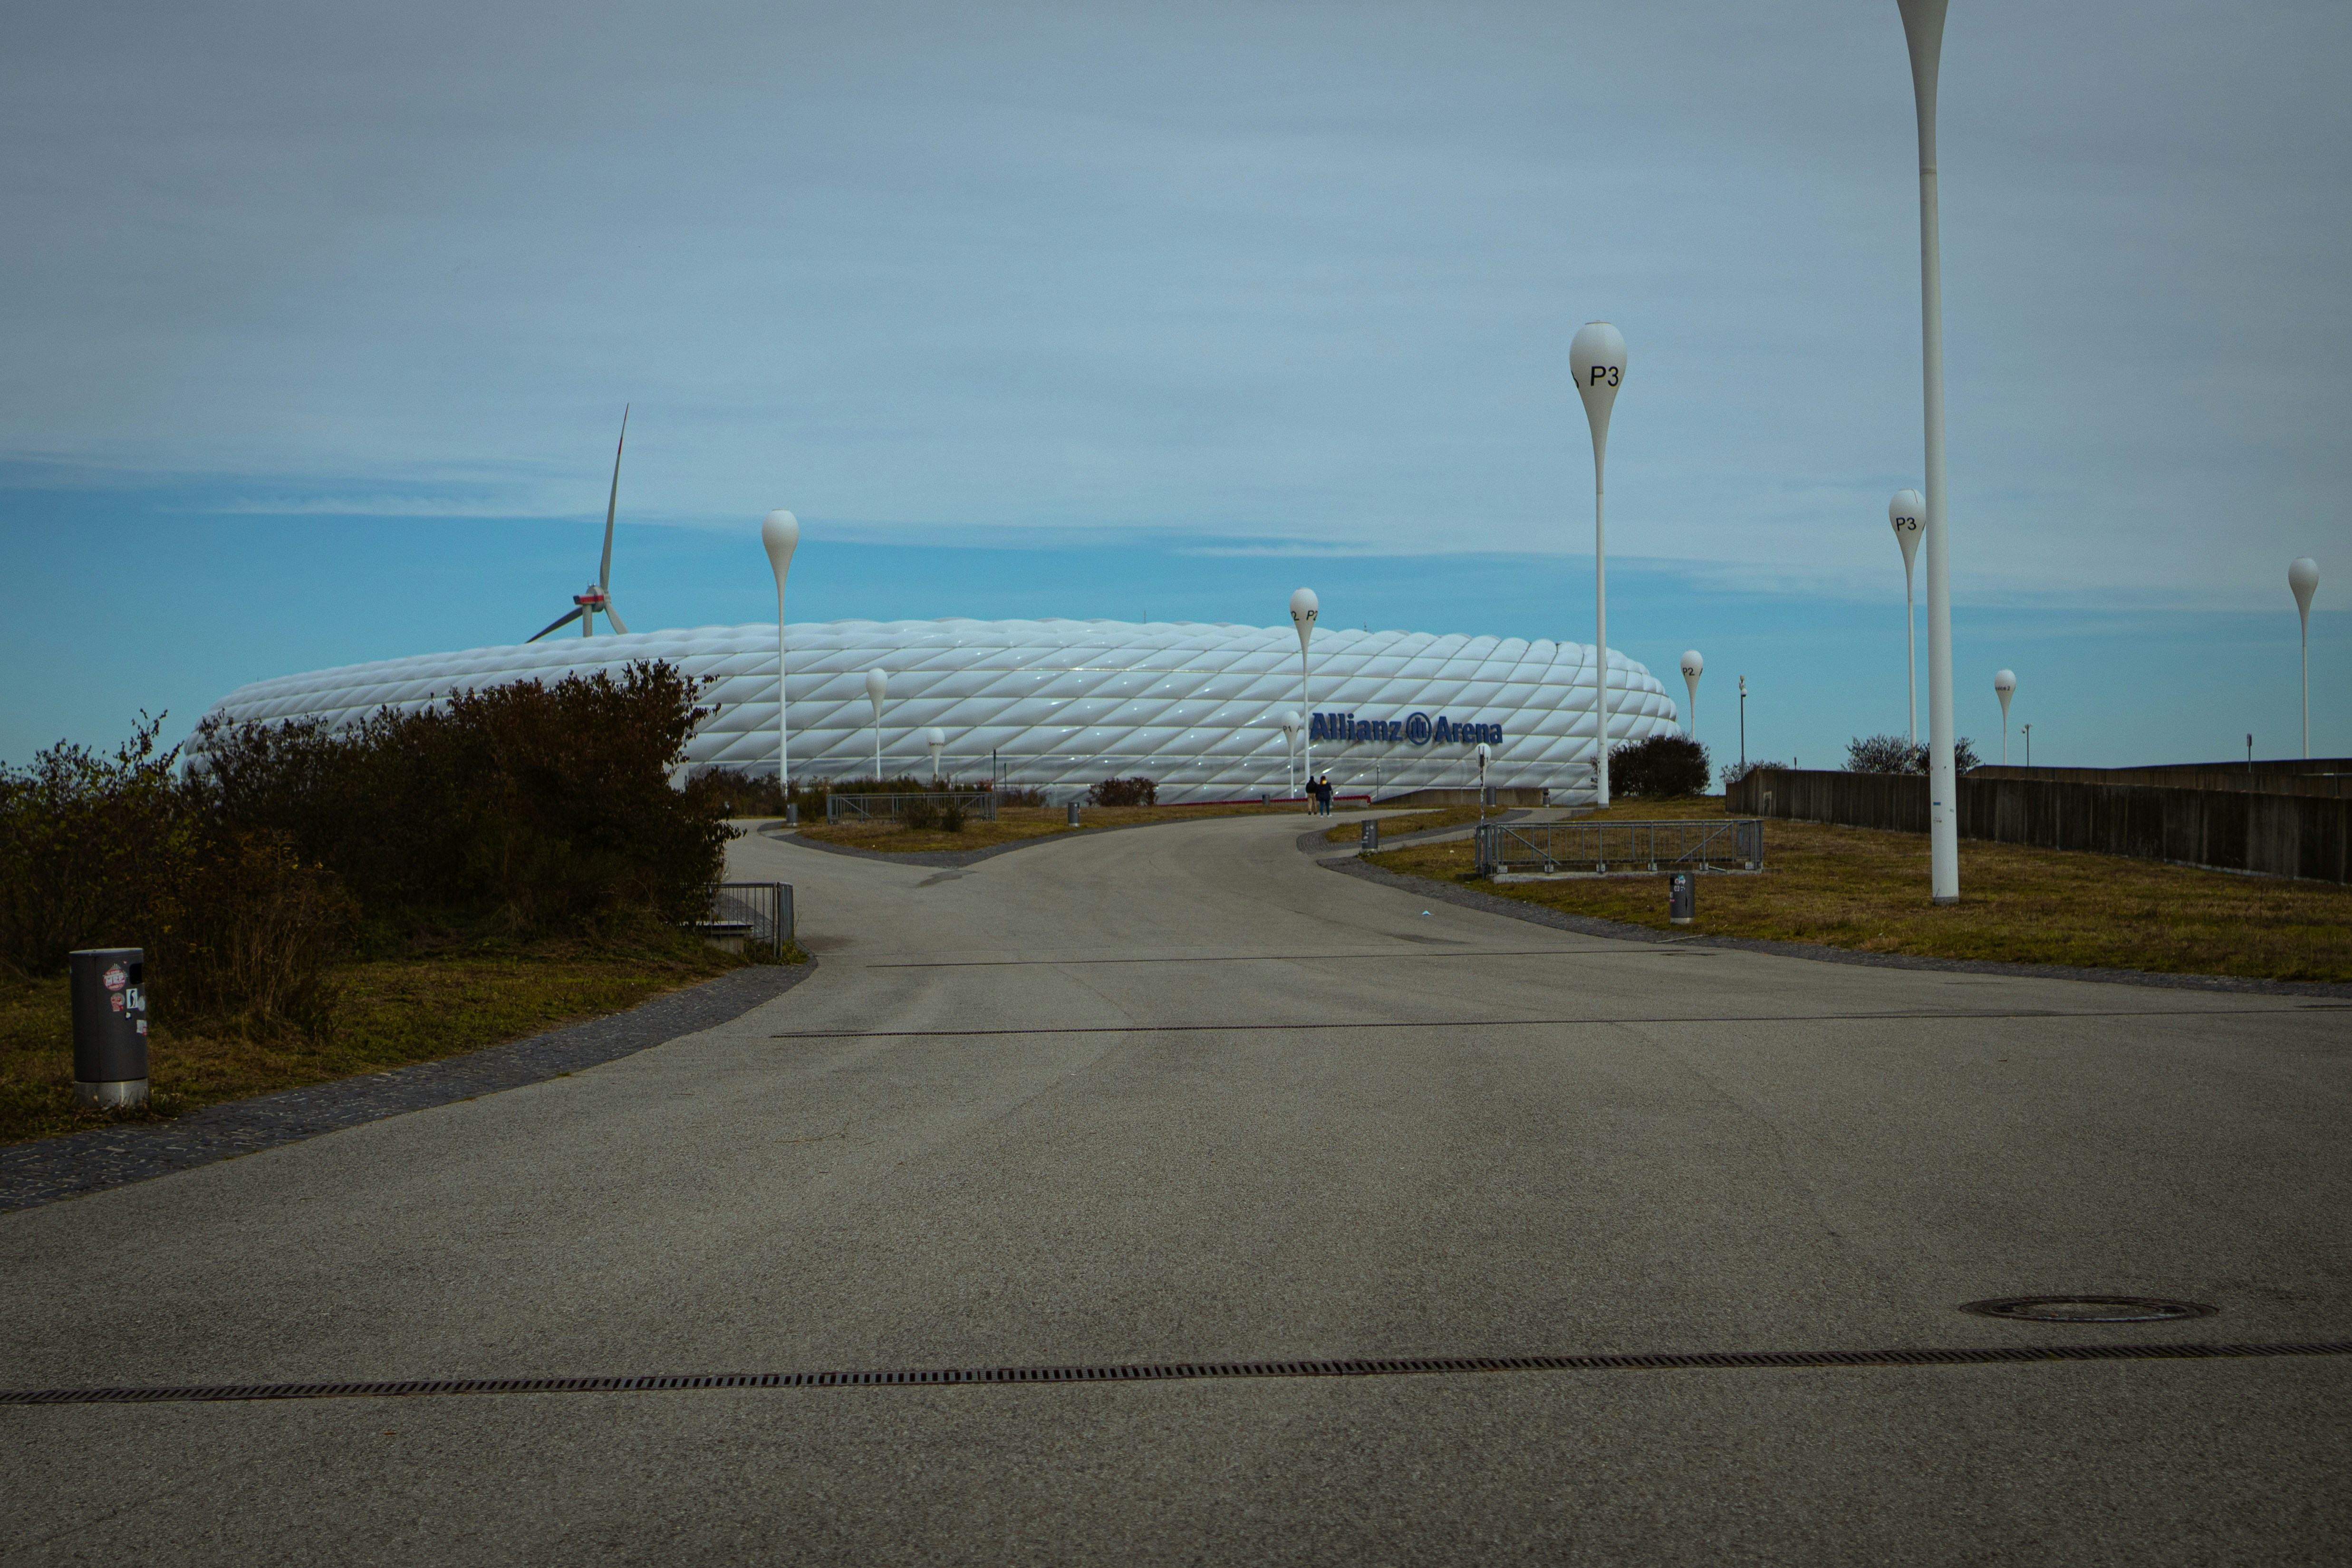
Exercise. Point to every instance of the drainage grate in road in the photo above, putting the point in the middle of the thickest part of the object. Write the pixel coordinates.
(2090, 1309)
(1164, 1372)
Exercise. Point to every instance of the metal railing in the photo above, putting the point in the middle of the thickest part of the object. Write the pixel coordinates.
(756, 914)
(1600, 847)
(978, 805)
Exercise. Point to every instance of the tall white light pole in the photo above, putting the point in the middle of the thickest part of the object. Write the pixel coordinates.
(1923, 27)
(1597, 355)
(1291, 724)
(780, 532)
(2303, 578)
(1304, 607)
(1693, 668)
(877, 686)
(1904, 512)
(1485, 754)
(2004, 686)
(936, 738)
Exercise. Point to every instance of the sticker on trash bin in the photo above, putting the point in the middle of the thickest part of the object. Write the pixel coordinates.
(142, 1026)
(117, 978)
(138, 997)
(117, 1000)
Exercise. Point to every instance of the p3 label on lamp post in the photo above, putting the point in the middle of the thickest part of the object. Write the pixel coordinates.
(1597, 355)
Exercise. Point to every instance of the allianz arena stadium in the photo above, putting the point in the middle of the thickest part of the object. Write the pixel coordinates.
(1061, 705)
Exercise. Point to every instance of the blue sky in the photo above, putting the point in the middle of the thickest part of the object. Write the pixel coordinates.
(320, 325)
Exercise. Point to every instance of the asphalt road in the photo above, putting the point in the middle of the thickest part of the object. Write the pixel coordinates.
(1178, 1094)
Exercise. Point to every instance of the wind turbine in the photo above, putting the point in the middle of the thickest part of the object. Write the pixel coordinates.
(597, 598)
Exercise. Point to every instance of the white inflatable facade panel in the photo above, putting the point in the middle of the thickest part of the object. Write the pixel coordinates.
(1060, 704)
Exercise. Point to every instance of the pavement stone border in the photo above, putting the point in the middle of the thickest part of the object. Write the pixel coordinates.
(49, 1169)
(1589, 925)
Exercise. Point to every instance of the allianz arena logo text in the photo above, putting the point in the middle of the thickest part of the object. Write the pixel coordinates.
(1418, 729)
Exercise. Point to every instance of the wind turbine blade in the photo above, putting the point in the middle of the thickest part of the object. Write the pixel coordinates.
(604, 573)
(614, 617)
(552, 626)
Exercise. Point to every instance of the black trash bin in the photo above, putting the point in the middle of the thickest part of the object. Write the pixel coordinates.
(110, 1026)
(1681, 897)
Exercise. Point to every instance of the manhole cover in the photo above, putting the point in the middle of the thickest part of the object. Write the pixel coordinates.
(2090, 1309)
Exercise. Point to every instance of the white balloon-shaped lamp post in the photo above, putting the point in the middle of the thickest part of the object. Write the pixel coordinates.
(780, 532)
(877, 686)
(2303, 579)
(1904, 512)
(1923, 29)
(1303, 608)
(1693, 668)
(936, 738)
(2004, 686)
(1597, 355)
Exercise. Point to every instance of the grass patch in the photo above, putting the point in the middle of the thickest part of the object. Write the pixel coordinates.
(1415, 822)
(1863, 889)
(1015, 823)
(395, 1010)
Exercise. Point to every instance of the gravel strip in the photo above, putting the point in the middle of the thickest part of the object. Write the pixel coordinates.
(48, 1169)
(1587, 926)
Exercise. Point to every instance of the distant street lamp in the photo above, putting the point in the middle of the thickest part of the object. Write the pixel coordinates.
(2027, 730)
(1304, 607)
(1743, 725)
(1693, 668)
(936, 738)
(2303, 577)
(781, 533)
(1597, 355)
(2004, 686)
(1923, 29)
(1485, 753)
(1903, 513)
(877, 686)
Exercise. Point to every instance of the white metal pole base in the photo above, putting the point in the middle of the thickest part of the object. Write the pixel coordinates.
(128, 1095)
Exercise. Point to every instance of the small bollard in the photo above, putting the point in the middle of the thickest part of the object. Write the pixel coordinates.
(109, 1026)
(1682, 898)
(1074, 813)
(1372, 835)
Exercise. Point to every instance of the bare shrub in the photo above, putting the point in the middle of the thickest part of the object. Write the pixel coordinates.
(1136, 791)
(1894, 754)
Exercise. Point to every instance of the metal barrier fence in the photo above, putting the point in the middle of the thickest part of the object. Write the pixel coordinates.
(1601, 847)
(979, 805)
(756, 914)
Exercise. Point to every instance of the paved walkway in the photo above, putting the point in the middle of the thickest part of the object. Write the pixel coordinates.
(1180, 1098)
